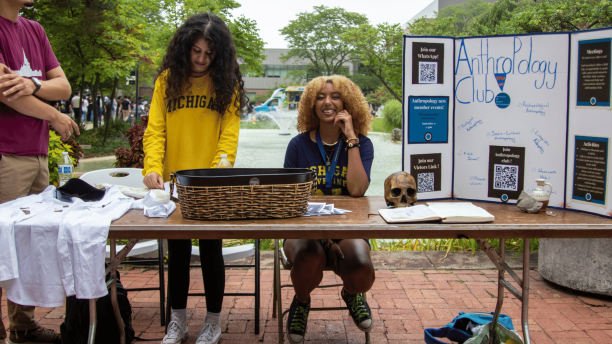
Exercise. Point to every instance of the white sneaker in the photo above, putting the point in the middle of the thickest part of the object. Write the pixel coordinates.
(177, 331)
(209, 334)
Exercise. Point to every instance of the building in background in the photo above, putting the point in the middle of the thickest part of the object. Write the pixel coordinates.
(275, 73)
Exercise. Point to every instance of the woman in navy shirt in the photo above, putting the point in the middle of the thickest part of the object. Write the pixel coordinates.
(333, 120)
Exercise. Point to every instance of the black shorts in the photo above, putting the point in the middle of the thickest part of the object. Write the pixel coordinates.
(336, 241)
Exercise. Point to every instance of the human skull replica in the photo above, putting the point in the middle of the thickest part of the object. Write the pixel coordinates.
(400, 190)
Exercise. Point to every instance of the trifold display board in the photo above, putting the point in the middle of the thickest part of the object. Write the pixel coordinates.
(486, 116)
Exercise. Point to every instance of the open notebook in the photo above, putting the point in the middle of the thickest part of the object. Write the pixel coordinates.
(448, 212)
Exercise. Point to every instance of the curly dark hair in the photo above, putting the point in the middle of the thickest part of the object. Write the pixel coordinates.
(224, 69)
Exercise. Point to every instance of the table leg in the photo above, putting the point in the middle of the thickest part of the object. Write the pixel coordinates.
(500, 291)
(162, 284)
(277, 290)
(114, 262)
(274, 295)
(367, 334)
(257, 291)
(93, 321)
(525, 299)
(113, 276)
(522, 295)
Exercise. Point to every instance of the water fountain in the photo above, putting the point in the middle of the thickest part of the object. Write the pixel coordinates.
(285, 119)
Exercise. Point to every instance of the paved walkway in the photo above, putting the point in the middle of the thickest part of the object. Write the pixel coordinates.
(403, 303)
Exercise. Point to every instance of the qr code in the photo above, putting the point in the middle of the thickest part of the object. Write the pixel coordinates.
(428, 72)
(425, 182)
(506, 177)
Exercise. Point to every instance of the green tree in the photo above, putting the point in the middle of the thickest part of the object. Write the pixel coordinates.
(365, 79)
(463, 14)
(315, 37)
(379, 48)
(432, 27)
(379, 97)
(95, 40)
(453, 20)
(248, 43)
(513, 17)
(508, 17)
(70, 25)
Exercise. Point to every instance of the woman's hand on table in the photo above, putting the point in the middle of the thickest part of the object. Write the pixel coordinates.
(153, 181)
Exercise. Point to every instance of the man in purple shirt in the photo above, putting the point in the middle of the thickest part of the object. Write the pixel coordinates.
(29, 75)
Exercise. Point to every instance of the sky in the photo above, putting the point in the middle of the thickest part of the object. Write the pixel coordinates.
(273, 15)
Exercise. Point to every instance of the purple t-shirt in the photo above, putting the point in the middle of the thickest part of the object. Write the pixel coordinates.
(25, 49)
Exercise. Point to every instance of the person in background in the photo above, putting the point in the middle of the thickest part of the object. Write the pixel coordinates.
(55, 104)
(84, 107)
(125, 108)
(99, 104)
(118, 108)
(333, 119)
(29, 72)
(108, 107)
(194, 118)
(67, 107)
(90, 107)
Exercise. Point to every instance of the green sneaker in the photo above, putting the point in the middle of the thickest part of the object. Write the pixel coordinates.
(359, 310)
(36, 336)
(297, 320)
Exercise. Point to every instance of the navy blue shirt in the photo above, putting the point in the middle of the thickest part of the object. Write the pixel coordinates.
(303, 153)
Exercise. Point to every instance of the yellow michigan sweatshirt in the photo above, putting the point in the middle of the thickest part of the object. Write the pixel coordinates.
(185, 133)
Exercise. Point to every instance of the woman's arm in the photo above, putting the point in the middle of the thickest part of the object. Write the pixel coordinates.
(154, 142)
(357, 181)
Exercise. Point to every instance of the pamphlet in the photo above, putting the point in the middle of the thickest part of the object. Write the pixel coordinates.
(318, 209)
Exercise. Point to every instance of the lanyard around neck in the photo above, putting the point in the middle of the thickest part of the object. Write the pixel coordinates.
(329, 173)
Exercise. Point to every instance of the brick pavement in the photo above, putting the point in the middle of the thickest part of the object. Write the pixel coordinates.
(403, 302)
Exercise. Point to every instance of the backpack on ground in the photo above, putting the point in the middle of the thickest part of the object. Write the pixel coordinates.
(468, 325)
(75, 328)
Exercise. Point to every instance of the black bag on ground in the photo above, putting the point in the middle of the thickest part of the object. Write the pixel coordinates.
(75, 328)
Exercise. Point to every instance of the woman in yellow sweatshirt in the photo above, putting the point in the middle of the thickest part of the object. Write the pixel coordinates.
(194, 118)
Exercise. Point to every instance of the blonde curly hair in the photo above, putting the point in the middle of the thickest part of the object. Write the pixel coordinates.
(351, 95)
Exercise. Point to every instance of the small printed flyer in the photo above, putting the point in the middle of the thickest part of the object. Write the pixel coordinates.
(594, 73)
(506, 172)
(427, 171)
(590, 169)
(427, 63)
(427, 119)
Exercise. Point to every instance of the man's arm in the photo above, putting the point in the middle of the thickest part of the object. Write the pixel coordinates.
(30, 106)
(56, 86)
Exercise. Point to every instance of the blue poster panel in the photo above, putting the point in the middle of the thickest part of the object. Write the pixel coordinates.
(594, 73)
(590, 169)
(428, 119)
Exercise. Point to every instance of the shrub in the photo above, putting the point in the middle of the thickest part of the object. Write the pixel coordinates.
(133, 157)
(392, 113)
(260, 98)
(56, 148)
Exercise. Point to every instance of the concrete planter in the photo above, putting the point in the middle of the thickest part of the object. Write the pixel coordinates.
(580, 264)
